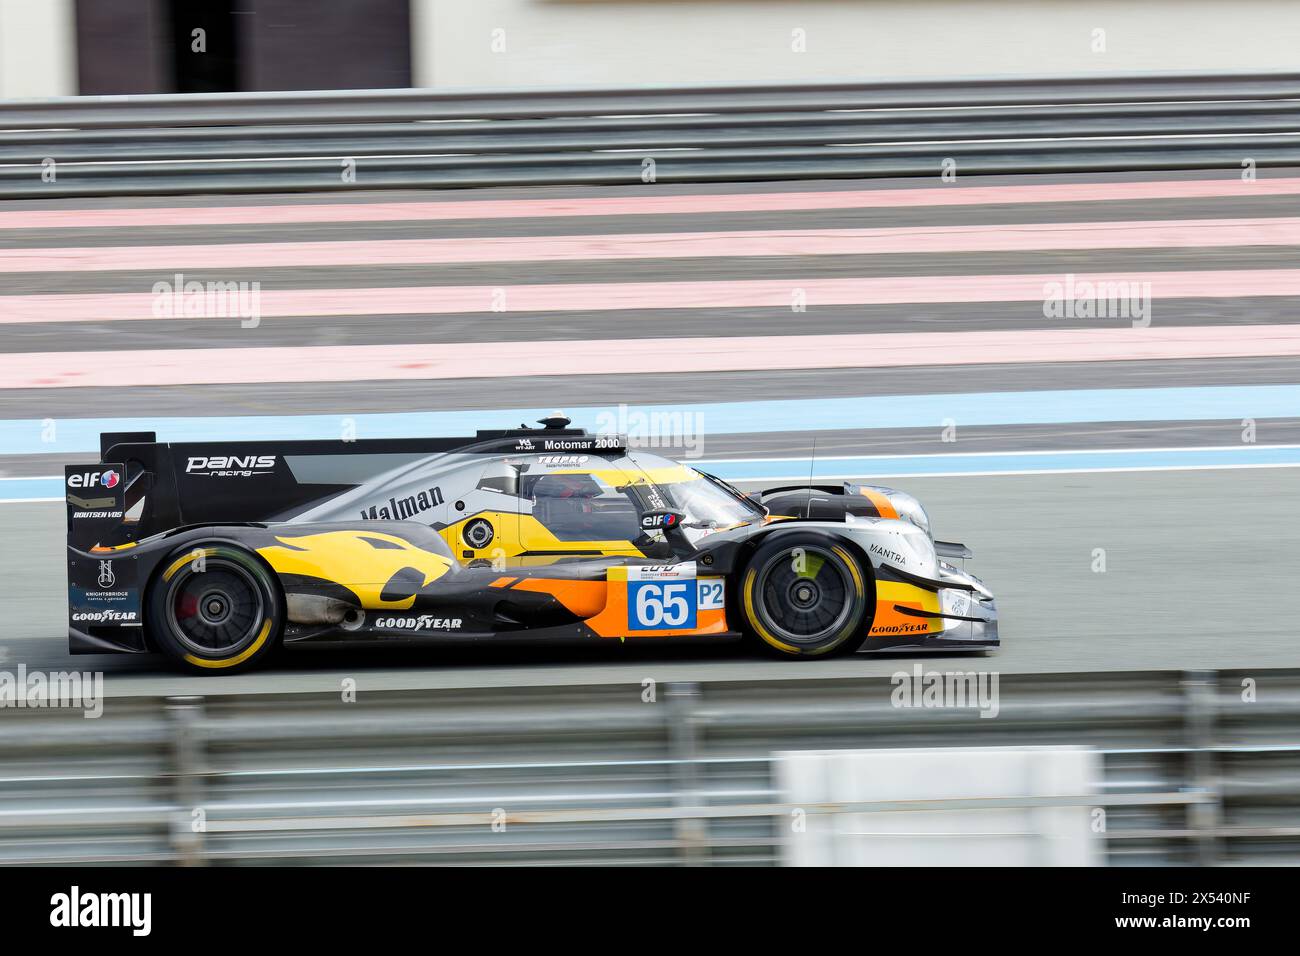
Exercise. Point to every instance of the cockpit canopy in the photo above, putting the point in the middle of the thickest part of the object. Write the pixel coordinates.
(601, 499)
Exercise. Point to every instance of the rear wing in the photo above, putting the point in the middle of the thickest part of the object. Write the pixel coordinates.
(103, 581)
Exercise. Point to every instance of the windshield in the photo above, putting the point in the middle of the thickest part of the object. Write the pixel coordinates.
(708, 503)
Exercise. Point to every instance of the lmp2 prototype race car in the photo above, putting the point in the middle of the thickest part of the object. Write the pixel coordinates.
(218, 554)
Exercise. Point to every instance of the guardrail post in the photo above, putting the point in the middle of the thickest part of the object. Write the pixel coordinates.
(691, 832)
(186, 829)
(1205, 817)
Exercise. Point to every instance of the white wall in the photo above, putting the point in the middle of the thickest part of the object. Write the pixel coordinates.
(665, 42)
(633, 42)
(38, 48)
(951, 833)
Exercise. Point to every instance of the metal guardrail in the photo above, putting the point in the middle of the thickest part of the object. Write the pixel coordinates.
(423, 139)
(1193, 773)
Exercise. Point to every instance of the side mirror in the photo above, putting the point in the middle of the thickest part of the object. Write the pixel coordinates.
(670, 523)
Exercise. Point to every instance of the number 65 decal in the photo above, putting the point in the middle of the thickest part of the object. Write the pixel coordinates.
(668, 605)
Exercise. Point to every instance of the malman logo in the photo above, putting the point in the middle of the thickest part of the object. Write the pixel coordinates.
(399, 509)
(95, 479)
(75, 908)
(230, 466)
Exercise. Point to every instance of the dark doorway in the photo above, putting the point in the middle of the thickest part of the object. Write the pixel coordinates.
(205, 58)
(220, 46)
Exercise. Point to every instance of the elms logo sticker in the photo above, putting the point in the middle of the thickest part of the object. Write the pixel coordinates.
(95, 479)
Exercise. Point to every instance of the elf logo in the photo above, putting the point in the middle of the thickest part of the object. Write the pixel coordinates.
(95, 479)
(224, 466)
(652, 520)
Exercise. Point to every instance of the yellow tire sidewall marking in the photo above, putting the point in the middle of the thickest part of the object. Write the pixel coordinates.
(754, 621)
(184, 560)
(239, 658)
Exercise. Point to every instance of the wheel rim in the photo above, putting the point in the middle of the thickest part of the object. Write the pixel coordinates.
(805, 595)
(215, 612)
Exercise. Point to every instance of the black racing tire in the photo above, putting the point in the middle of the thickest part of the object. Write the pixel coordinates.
(215, 608)
(804, 595)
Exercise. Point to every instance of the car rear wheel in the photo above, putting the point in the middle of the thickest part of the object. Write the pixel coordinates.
(806, 595)
(215, 608)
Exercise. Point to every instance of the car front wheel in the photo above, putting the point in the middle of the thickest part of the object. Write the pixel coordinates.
(806, 595)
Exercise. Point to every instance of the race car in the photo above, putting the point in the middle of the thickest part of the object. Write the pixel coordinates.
(218, 554)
